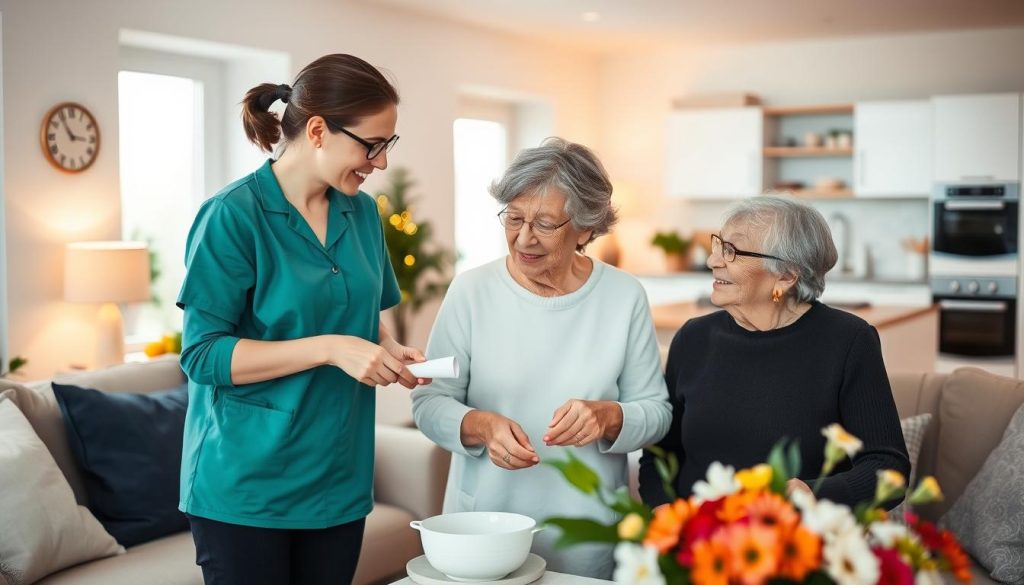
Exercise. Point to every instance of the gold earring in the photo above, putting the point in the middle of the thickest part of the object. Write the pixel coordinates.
(776, 295)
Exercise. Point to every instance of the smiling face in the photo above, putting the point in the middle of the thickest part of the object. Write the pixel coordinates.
(744, 281)
(341, 160)
(541, 257)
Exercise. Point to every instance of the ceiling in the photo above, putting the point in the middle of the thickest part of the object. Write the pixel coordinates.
(610, 25)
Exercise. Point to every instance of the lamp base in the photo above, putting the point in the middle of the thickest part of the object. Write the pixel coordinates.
(109, 337)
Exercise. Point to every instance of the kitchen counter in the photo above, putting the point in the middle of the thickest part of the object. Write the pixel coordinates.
(908, 334)
(673, 315)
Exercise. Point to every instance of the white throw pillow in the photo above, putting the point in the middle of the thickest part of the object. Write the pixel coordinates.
(44, 529)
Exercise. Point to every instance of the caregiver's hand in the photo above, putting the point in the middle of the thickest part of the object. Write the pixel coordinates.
(406, 355)
(580, 422)
(506, 442)
(366, 361)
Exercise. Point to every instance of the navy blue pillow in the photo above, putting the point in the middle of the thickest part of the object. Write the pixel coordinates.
(128, 447)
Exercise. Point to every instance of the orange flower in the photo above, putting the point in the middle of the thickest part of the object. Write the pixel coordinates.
(772, 511)
(754, 553)
(710, 562)
(736, 507)
(800, 553)
(663, 533)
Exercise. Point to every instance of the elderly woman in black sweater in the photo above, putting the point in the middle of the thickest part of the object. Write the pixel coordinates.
(776, 362)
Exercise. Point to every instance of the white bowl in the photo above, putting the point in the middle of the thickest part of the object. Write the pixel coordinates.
(477, 546)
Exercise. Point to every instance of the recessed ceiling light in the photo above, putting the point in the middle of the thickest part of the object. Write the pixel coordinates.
(591, 16)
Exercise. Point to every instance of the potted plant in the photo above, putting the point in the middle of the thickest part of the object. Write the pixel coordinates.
(676, 248)
(414, 254)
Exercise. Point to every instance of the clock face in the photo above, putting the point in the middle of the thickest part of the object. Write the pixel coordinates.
(70, 137)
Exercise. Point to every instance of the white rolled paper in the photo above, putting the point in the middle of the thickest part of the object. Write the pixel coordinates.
(447, 367)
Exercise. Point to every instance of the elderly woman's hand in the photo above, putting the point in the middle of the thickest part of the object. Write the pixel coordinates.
(581, 422)
(507, 444)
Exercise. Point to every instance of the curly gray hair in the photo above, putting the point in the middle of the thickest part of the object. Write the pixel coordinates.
(571, 168)
(794, 231)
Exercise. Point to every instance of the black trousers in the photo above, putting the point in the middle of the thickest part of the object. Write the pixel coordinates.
(231, 554)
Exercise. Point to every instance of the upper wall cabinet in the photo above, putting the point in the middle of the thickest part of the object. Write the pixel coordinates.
(715, 153)
(892, 157)
(976, 138)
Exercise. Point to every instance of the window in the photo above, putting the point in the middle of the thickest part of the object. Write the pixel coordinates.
(162, 184)
(481, 154)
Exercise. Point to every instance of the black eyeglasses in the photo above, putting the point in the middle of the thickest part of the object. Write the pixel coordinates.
(514, 223)
(729, 251)
(373, 149)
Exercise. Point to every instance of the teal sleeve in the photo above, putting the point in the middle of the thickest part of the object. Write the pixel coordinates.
(439, 407)
(206, 348)
(219, 262)
(390, 293)
(643, 395)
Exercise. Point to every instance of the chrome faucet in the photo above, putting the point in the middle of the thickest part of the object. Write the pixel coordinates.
(844, 242)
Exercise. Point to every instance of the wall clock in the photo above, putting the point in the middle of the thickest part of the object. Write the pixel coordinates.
(70, 137)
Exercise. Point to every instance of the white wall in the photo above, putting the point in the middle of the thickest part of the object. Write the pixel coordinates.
(4, 322)
(68, 50)
(637, 89)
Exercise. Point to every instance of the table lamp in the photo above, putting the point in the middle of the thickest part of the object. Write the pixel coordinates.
(107, 273)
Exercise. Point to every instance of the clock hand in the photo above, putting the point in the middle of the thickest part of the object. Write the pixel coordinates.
(68, 129)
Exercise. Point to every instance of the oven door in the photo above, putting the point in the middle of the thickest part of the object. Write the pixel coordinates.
(975, 327)
(975, 228)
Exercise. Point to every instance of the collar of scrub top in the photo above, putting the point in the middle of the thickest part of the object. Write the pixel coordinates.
(272, 199)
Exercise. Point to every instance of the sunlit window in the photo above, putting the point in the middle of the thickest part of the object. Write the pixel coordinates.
(161, 161)
(481, 153)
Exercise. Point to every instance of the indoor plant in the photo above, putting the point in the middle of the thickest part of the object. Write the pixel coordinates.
(414, 255)
(676, 250)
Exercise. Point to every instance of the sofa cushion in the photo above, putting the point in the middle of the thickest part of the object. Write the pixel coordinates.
(914, 429)
(40, 408)
(44, 529)
(142, 377)
(989, 516)
(128, 447)
(388, 544)
(166, 561)
(974, 410)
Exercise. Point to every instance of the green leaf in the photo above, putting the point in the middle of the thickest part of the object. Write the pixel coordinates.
(674, 573)
(577, 473)
(623, 503)
(580, 530)
(780, 469)
(794, 459)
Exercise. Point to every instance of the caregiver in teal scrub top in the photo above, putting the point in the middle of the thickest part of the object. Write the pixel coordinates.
(283, 343)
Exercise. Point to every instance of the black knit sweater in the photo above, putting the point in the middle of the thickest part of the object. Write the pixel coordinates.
(736, 392)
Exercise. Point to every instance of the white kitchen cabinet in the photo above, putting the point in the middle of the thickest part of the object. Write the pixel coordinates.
(893, 141)
(715, 153)
(976, 138)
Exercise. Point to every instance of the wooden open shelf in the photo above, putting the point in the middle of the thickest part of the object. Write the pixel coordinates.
(808, 110)
(815, 194)
(803, 151)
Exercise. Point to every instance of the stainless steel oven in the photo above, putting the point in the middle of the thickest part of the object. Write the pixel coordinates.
(977, 322)
(975, 230)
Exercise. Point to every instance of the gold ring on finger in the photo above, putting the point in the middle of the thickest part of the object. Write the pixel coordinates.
(507, 458)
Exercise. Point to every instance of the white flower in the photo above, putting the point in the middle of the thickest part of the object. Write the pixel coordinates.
(637, 565)
(925, 577)
(826, 519)
(849, 561)
(838, 437)
(721, 482)
(887, 533)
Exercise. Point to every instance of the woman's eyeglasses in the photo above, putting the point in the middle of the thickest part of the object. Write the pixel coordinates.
(373, 149)
(514, 223)
(729, 251)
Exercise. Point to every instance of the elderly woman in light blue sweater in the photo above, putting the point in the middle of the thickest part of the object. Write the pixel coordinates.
(557, 351)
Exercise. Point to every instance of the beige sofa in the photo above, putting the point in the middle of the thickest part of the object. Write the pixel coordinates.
(970, 411)
(409, 480)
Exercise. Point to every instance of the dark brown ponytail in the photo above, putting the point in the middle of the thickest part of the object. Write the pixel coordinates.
(340, 88)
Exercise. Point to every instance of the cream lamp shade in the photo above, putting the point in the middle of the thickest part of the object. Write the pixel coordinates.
(107, 273)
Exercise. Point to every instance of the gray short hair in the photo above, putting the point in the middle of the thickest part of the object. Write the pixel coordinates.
(571, 168)
(794, 231)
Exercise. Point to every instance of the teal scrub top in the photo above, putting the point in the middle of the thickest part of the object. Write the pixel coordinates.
(296, 451)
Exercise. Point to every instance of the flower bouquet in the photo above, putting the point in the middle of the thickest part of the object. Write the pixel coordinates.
(747, 528)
